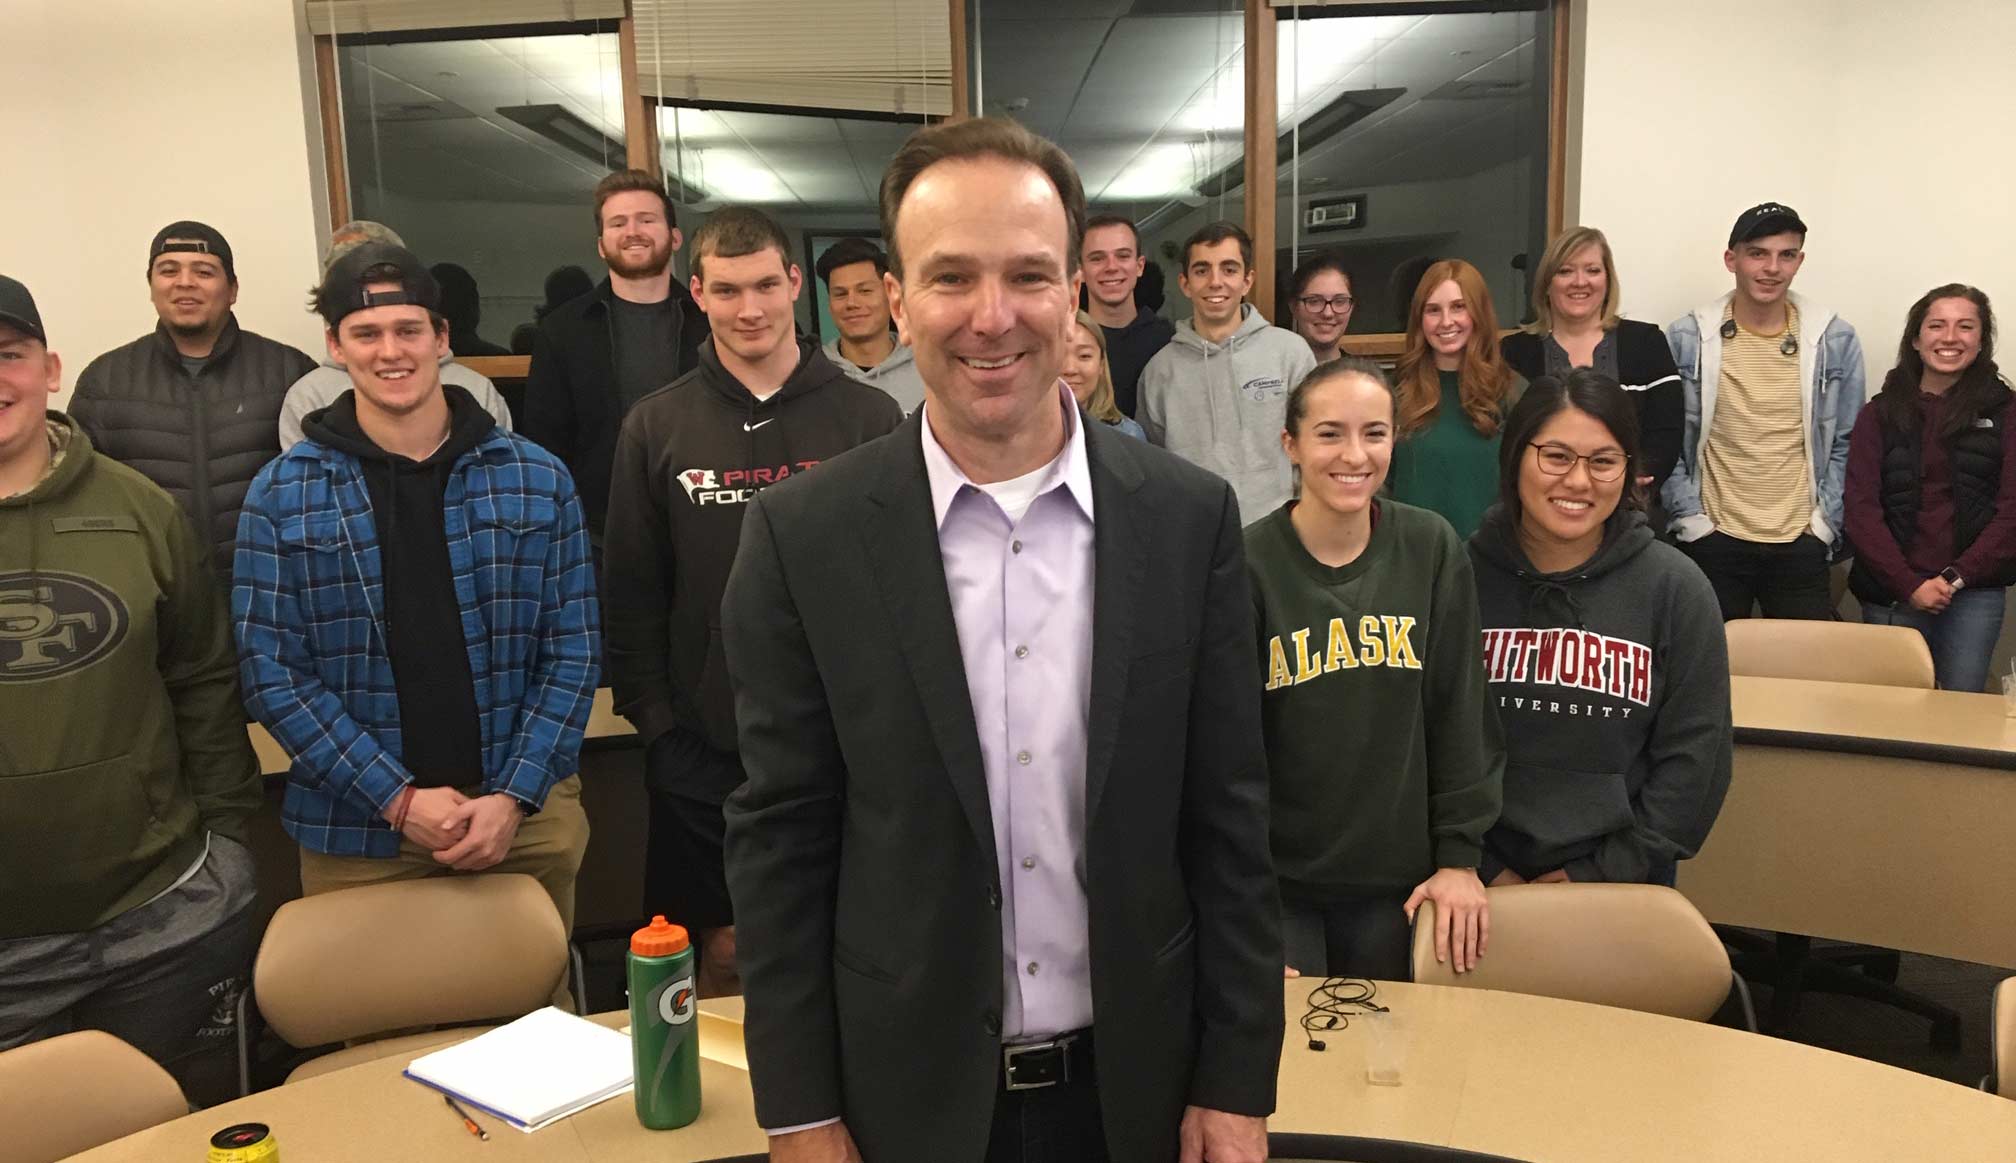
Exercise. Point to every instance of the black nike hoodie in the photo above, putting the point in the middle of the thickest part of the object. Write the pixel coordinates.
(689, 458)
(1612, 683)
(423, 622)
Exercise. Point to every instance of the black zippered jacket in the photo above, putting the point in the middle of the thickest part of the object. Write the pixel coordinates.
(201, 439)
(691, 457)
(572, 407)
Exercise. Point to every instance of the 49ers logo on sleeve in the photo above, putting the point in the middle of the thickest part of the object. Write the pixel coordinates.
(733, 486)
(53, 624)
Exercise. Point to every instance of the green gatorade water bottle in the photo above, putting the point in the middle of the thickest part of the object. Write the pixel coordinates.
(664, 1038)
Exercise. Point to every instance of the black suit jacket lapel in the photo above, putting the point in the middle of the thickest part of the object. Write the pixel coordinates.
(902, 538)
(1120, 550)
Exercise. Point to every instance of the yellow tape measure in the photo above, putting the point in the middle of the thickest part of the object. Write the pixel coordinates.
(245, 1143)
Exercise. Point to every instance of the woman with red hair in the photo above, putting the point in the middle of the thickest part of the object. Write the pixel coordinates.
(1455, 389)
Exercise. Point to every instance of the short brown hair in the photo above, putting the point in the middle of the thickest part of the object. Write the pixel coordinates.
(978, 137)
(623, 181)
(1097, 220)
(734, 231)
(1213, 233)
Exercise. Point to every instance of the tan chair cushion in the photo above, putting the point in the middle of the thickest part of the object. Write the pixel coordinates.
(71, 1093)
(1634, 946)
(408, 1046)
(1829, 652)
(449, 950)
(2003, 1017)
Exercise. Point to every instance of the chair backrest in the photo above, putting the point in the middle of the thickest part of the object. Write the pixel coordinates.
(1829, 652)
(383, 957)
(2003, 1019)
(73, 1092)
(1635, 946)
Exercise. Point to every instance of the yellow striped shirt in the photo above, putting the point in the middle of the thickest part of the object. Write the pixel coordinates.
(1756, 475)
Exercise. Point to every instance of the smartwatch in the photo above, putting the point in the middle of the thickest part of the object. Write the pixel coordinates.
(1952, 577)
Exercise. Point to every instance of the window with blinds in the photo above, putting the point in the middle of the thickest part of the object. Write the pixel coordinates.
(364, 17)
(891, 57)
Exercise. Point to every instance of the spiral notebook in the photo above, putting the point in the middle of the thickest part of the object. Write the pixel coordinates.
(533, 1072)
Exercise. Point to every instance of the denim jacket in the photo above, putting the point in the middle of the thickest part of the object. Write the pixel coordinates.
(307, 603)
(1831, 366)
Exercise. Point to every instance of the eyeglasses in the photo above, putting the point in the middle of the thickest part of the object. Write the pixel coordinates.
(1314, 304)
(1557, 459)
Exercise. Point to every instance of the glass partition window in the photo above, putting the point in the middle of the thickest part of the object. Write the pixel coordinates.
(483, 151)
(819, 175)
(1410, 138)
(1147, 98)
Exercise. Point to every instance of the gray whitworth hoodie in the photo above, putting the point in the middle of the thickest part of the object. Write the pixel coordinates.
(896, 375)
(1220, 405)
(1612, 683)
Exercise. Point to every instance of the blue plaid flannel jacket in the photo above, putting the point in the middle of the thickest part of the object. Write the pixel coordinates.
(307, 605)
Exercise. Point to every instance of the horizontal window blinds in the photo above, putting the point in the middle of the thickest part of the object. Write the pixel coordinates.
(342, 18)
(873, 56)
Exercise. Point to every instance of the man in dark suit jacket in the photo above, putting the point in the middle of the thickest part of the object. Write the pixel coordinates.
(998, 702)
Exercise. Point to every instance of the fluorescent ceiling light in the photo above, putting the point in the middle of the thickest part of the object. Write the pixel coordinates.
(733, 175)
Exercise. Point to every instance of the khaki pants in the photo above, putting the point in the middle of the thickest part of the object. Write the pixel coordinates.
(548, 847)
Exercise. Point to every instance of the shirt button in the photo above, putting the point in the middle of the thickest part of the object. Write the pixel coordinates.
(1032, 969)
(1021, 652)
(1028, 862)
(1014, 547)
(1022, 757)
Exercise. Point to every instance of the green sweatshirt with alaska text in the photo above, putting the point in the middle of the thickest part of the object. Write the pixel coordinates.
(1385, 756)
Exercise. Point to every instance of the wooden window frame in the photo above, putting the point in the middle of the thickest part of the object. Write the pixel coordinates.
(1262, 131)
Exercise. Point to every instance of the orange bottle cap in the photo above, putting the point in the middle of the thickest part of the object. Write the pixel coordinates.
(658, 939)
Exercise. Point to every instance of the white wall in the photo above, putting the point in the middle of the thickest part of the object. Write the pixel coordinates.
(122, 116)
(1887, 127)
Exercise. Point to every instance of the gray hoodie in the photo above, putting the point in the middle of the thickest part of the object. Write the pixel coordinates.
(320, 387)
(1221, 405)
(896, 375)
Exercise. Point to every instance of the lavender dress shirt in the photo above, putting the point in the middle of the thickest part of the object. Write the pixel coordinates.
(1021, 595)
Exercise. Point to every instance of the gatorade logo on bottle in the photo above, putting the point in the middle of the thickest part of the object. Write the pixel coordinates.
(675, 1002)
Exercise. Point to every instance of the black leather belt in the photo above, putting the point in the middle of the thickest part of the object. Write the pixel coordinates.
(1064, 1059)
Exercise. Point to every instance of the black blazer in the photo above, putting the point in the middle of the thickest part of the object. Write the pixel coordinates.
(860, 851)
(572, 407)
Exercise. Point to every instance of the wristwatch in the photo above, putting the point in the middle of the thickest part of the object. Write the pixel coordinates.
(1952, 577)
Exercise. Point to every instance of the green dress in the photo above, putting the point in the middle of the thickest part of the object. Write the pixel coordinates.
(1447, 467)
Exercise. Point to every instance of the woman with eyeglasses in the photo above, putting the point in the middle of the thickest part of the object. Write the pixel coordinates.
(1575, 324)
(1319, 294)
(1382, 756)
(1604, 650)
(1930, 501)
(1455, 389)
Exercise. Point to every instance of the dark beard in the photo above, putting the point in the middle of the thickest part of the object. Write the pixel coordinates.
(650, 268)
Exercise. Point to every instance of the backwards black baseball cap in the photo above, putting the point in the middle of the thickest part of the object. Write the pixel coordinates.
(17, 309)
(1765, 220)
(345, 290)
(194, 238)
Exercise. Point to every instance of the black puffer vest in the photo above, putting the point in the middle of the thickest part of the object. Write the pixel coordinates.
(1974, 457)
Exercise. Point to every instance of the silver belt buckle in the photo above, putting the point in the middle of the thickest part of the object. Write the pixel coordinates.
(1010, 1054)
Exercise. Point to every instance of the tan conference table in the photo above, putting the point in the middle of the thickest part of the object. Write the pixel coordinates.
(1524, 1077)
(1864, 813)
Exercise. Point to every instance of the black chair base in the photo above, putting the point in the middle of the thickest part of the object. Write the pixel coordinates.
(1787, 963)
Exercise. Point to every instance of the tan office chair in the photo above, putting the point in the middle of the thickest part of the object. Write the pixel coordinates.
(1832, 652)
(73, 1092)
(2002, 1020)
(1634, 946)
(438, 952)
(1829, 652)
